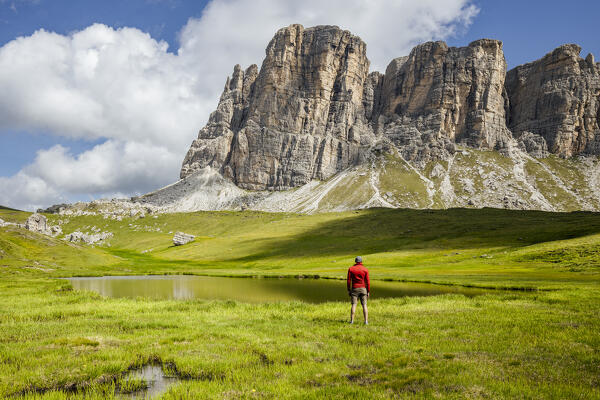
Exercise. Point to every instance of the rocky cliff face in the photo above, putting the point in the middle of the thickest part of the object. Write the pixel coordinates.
(558, 99)
(313, 110)
(441, 95)
(300, 118)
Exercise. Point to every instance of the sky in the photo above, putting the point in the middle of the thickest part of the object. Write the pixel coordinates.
(102, 99)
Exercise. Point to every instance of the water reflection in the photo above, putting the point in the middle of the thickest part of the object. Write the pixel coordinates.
(154, 377)
(250, 290)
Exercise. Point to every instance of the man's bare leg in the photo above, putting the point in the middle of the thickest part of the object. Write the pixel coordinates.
(352, 311)
(365, 313)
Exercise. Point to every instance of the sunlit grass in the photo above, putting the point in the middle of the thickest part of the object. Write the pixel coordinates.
(496, 345)
(56, 343)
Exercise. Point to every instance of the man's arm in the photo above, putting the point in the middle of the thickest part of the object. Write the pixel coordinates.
(368, 282)
(349, 281)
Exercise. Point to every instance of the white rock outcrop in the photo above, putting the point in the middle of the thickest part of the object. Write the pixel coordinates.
(39, 223)
(87, 238)
(181, 238)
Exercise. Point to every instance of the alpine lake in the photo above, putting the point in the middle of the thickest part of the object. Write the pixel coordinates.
(251, 290)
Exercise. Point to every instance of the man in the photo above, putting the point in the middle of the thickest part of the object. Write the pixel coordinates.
(359, 286)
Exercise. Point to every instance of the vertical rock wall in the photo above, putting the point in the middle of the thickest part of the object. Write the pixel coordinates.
(558, 99)
(302, 117)
(305, 119)
(313, 109)
(439, 95)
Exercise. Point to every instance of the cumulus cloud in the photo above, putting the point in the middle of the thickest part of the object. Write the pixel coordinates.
(112, 169)
(98, 83)
(389, 27)
(125, 87)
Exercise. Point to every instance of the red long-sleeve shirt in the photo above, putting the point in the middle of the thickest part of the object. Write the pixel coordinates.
(358, 276)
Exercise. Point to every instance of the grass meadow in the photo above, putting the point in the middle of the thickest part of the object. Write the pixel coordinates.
(535, 335)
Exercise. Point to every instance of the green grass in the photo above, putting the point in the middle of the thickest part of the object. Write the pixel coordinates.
(56, 343)
(132, 385)
(403, 182)
(354, 190)
(444, 246)
(547, 185)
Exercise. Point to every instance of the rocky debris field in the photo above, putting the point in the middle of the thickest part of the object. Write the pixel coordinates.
(88, 238)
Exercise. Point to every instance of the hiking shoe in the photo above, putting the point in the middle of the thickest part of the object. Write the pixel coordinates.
(351, 322)
(366, 322)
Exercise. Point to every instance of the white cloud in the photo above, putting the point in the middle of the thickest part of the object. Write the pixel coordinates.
(114, 168)
(389, 27)
(123, 86)
(98, 83)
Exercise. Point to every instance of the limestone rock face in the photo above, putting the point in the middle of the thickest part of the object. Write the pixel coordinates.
(214, 140)
(301, 117)
(533, 144)
(558, 98)
(314, 110)
(440, 95)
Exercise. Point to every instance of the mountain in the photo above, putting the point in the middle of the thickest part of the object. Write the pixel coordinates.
(314, 130)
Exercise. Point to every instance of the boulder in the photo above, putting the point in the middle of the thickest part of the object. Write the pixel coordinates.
(77, 237)
(181, 238)
(37, 223)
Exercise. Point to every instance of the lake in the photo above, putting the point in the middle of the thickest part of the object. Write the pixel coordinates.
(251, 290)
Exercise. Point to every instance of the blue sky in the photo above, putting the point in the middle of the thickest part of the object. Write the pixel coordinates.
(212, 44)
(529, 29)
(161, 18)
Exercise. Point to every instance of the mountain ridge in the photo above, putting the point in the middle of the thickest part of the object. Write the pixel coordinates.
(313, 130)
(313, 109)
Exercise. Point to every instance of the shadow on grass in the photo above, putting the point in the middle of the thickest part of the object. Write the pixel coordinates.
(383, 230)
(149, 262)
(8, 208)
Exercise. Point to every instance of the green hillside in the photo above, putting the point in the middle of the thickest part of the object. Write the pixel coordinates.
(488, 247)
